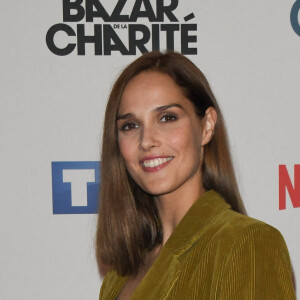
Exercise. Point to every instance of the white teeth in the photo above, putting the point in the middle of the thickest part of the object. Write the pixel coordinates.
(156, 162)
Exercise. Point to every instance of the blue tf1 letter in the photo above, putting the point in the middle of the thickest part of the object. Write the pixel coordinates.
(75, 187)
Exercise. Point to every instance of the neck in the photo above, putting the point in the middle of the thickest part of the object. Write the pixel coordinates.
(173, 206)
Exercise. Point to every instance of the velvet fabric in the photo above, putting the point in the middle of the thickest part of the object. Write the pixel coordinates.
(214, 253)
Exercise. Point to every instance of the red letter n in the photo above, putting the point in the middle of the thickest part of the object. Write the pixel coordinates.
(285, 183)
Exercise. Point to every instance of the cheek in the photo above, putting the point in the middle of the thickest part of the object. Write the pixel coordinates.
(185, 140)
(177, 138)
(126, 149)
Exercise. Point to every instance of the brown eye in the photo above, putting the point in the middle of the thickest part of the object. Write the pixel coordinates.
(129, 126)
(168, 118)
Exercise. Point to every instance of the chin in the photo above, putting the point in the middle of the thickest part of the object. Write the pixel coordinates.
(157, 191)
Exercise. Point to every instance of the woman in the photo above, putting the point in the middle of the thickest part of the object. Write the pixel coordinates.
(171, 223)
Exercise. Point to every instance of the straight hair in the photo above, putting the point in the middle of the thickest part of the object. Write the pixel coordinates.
(128, 221)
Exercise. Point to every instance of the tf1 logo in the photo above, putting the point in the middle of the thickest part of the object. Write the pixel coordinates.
(75, 187)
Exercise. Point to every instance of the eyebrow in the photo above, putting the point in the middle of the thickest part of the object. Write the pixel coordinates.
(126, 116)
(165, 107)
(157, 109)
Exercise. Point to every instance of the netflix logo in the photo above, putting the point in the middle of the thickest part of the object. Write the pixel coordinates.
(289, 187)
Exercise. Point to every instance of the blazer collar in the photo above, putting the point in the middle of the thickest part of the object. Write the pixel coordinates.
(190, 228)
(165, 271)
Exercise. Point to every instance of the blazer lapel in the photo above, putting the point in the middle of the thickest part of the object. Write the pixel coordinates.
(160, 279)
(165, 271)
(157, 283)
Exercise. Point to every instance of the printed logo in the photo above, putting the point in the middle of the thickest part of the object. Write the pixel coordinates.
(142, 25)
(285, 184)
(294, 17)
(75, 187)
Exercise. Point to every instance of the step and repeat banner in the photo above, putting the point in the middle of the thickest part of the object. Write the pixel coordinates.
(59, 60)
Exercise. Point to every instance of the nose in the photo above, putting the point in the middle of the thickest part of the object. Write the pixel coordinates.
(149, 138)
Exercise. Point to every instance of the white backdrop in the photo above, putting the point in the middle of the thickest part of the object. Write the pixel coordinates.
(52, 109)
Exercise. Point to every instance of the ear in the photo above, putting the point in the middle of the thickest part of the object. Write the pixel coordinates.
(209, 123)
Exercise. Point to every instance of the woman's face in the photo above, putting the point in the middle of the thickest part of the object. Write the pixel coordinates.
(159, 135)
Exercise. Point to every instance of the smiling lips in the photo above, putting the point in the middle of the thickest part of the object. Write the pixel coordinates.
(155, 164)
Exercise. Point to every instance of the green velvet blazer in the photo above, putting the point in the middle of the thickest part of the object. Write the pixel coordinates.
(214, 253)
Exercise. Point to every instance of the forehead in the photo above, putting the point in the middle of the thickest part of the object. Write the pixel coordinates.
(151, 89)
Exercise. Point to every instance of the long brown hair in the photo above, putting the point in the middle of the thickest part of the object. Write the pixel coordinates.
(128, 221)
